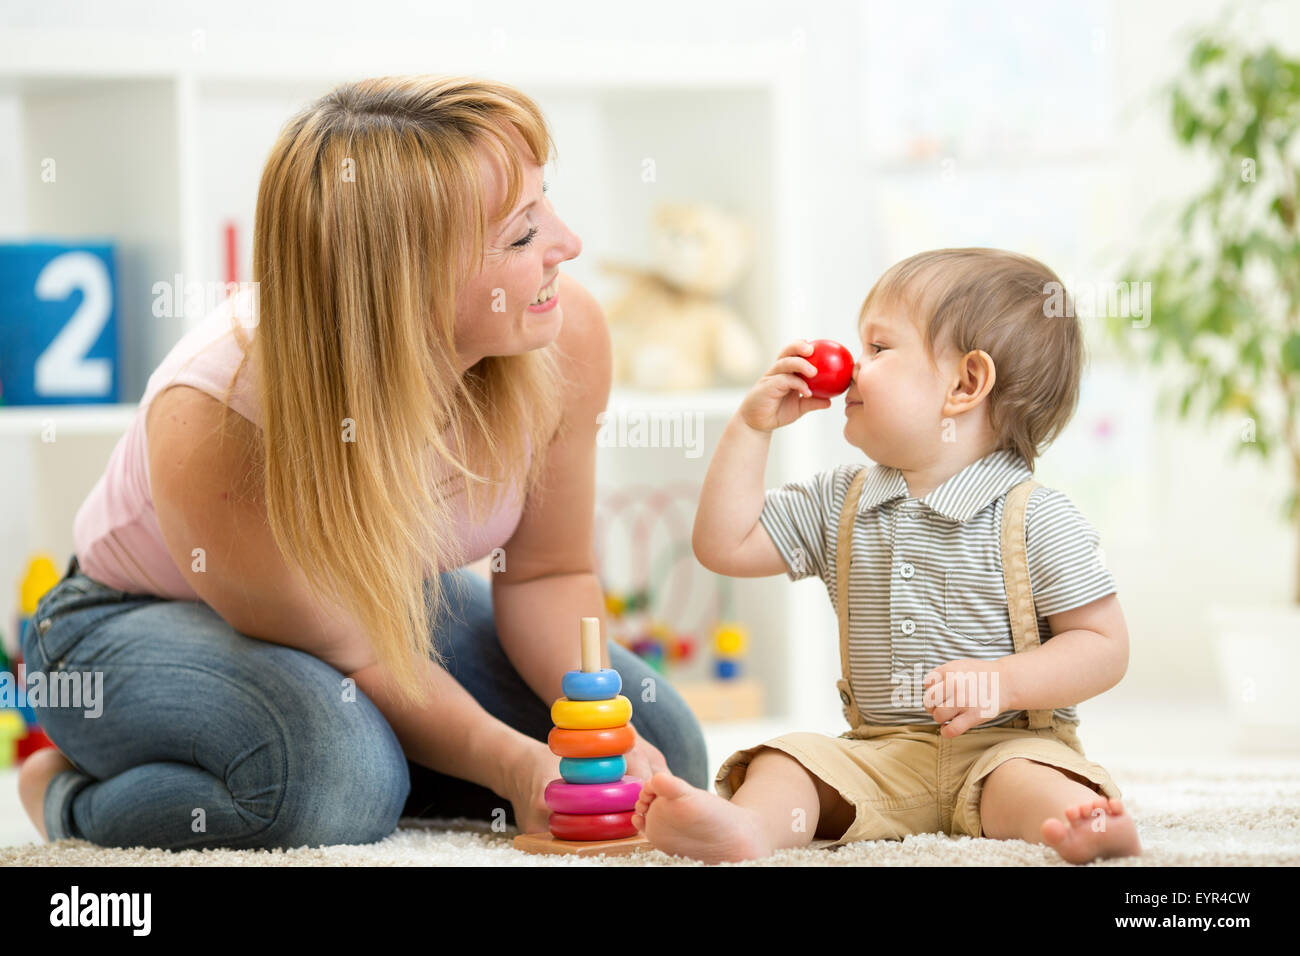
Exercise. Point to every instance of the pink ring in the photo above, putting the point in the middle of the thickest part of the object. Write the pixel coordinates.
(564, 797)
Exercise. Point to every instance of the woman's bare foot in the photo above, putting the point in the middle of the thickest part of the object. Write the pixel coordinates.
(685, 821)
(1094, 829)
(34, 778)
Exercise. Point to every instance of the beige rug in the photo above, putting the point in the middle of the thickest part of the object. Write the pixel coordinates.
(1228, 812)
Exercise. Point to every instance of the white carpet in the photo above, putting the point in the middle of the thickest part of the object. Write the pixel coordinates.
(1189, 811)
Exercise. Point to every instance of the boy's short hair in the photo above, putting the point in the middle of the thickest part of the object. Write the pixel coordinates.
(996, 301)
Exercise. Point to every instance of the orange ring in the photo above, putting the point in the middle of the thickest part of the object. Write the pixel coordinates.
(607, 742)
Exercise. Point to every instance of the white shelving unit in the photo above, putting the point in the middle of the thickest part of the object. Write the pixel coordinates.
(160, 145)
(29, 421)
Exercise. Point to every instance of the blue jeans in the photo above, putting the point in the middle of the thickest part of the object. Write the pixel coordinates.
(205, 737)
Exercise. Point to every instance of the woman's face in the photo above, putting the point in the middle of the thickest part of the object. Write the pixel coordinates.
(497, 311)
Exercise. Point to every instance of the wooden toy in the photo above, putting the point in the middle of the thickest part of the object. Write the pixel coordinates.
(600, 685)
(564, 797)
(730, 641)
(595, 827)
(35, 739)
(651, 652)
(591, 714)
(665, 608)
(737, 698)
(58, 322)
(12, 729)
(603, 742)
(593, 769)
(590, 816)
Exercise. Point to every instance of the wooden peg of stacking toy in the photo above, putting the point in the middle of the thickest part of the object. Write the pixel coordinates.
(592, 800)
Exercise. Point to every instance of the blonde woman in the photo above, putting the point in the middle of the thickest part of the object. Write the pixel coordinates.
(290, 647)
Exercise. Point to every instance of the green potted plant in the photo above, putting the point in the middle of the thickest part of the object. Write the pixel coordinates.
(1225, 317)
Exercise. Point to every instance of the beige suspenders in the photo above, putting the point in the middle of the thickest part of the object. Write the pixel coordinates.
(1015, 570)
(843, 549)
(1015, 574)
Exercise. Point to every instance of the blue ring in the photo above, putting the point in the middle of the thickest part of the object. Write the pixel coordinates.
(593, 769)
(603, 684)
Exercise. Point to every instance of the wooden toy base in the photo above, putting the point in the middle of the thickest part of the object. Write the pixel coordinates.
(740, 698)
(545, 843)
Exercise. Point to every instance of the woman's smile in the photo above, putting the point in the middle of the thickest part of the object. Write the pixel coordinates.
(548, 297)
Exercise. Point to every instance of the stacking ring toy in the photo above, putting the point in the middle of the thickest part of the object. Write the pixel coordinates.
(591, 685)
(592, 826)
(591, 714)
(592, 797)
(605, 742)
(592, 769)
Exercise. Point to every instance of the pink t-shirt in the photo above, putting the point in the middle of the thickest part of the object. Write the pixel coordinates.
(116, 535)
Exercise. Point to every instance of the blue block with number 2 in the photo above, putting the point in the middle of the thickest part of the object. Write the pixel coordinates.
(58, 323)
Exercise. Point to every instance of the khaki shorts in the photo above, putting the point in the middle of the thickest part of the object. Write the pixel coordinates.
(909, 779)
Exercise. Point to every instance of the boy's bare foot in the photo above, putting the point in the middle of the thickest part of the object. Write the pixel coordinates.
(1094, 829)
(685, 821)
(34, 778)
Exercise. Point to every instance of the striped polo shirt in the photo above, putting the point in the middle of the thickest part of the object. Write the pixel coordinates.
(926, 585)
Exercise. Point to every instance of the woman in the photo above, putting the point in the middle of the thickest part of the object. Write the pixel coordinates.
(416, 386)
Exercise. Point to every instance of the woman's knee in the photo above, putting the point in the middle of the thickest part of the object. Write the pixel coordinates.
(344, 776)
(359, 801)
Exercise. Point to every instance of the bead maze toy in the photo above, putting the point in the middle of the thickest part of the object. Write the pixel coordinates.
(592, 800)
(663, 606)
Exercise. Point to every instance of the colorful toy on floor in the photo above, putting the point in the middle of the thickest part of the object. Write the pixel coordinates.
(591, 802)
(12, 729)
(41, 575)
(35, 739)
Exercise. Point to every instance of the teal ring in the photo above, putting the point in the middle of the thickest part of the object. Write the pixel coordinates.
(593, 769)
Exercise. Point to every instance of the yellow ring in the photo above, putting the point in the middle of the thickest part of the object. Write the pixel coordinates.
(591, 714)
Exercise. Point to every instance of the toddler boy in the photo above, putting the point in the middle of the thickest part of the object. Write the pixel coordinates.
(975, 610)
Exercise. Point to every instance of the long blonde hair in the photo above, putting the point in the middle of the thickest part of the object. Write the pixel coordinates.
(370, 219)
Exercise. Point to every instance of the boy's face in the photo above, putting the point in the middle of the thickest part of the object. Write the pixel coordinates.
(893, 407)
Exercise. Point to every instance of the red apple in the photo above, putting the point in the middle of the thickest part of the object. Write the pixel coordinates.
(834, 368)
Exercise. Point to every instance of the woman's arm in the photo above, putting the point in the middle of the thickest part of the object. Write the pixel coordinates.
(550, 581)
(449, 731)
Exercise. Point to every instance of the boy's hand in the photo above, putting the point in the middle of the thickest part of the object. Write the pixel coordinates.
(962, 694)
(782, 396)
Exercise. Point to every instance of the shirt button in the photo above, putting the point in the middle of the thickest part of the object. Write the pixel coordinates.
(43, 626)
(906, 570)
(909, 626)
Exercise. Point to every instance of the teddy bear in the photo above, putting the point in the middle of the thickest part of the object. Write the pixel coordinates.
(670, 329)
